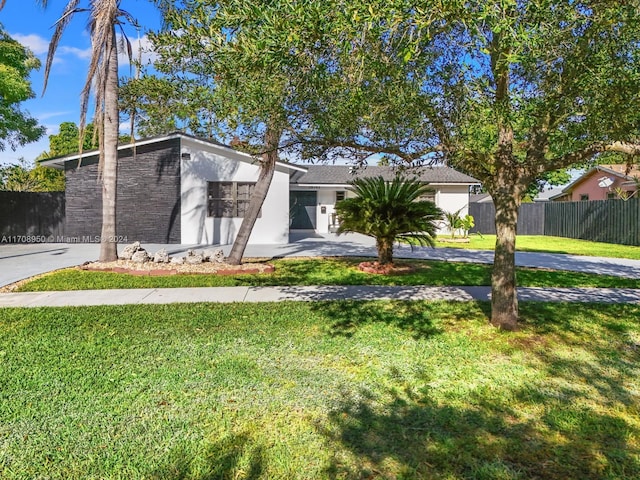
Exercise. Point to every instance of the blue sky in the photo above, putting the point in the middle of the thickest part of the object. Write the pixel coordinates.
(32, 26)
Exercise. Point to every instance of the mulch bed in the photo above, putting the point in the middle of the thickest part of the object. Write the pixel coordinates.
(387, 269)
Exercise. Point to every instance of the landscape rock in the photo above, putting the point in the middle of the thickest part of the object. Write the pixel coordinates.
(140, 256)
(194, 258)
(177, 260)
(161, 256)
(218, 256)
(129, 250)
(214, 256)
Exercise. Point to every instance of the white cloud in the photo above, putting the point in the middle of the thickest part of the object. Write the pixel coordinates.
(40, 46)
(52, 129)
(141, 49)
(125, 127)
(35, 43)
(81, 53)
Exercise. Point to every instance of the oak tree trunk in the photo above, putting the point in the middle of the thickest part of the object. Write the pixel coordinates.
(504, 299)
(267, 169)
(108, 239)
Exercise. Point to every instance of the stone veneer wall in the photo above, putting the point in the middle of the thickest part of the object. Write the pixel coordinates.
(148, 202)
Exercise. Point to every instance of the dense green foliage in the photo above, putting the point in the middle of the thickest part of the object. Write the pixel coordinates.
(67, 141)
(390, 212)
(414, 390)
(23, 177)
(161, 105)
(17, 127)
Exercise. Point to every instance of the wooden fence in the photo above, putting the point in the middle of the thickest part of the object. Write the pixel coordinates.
(31, 217)
(610, 221)
(531, 219)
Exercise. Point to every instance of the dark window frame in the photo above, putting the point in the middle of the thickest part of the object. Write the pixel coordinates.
(229, 199)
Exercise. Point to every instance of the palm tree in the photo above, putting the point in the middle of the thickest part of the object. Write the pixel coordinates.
(104, 16)
(390, 212)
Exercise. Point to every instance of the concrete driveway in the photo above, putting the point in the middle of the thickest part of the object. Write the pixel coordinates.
(18, 262)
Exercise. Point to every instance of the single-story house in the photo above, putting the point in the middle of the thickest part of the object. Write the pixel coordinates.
(602, 182)
(183, 189)
(315, 191)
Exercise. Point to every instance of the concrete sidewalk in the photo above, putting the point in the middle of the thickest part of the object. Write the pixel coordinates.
(147, 296)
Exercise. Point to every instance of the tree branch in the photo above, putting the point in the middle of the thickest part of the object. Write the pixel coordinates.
(588, 152)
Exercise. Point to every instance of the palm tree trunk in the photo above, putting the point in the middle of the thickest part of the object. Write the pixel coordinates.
(267, 169)
(385, 250)
(109, 147)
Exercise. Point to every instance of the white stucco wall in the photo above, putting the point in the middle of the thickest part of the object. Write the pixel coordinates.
(452, 198)
(206, 165)
(449, 198)
(327, 200)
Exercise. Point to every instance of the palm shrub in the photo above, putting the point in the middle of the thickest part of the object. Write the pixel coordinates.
(454, 221)
(389, 212)
(468, 222)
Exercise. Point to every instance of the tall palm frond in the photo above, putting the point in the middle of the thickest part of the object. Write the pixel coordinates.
(102, 76)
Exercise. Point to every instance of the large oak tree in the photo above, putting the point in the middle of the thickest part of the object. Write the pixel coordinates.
(505, 90)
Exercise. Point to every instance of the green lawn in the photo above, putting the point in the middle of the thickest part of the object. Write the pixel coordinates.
(333, 390)
(327, 271)
(539, 243)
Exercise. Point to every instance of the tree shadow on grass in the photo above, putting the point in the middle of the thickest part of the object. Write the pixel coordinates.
(399, 435)
(421, 319)
(574, 421)
(220, 460)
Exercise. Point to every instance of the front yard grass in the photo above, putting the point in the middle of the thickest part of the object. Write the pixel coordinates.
(327, 271)
(542, 243)
(324, 390)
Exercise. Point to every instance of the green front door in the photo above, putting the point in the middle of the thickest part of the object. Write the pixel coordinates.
(302, 209)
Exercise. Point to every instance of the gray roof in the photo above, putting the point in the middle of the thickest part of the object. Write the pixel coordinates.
(343, 174)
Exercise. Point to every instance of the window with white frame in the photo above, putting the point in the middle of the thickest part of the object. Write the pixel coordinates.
(228, 199)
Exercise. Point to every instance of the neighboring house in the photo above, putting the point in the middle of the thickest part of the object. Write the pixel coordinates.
(547, 194)
(602, 182)
(182, 189)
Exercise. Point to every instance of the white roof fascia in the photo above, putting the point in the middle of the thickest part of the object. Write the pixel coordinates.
(185, 138)
(62, 160)
(242, 156)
